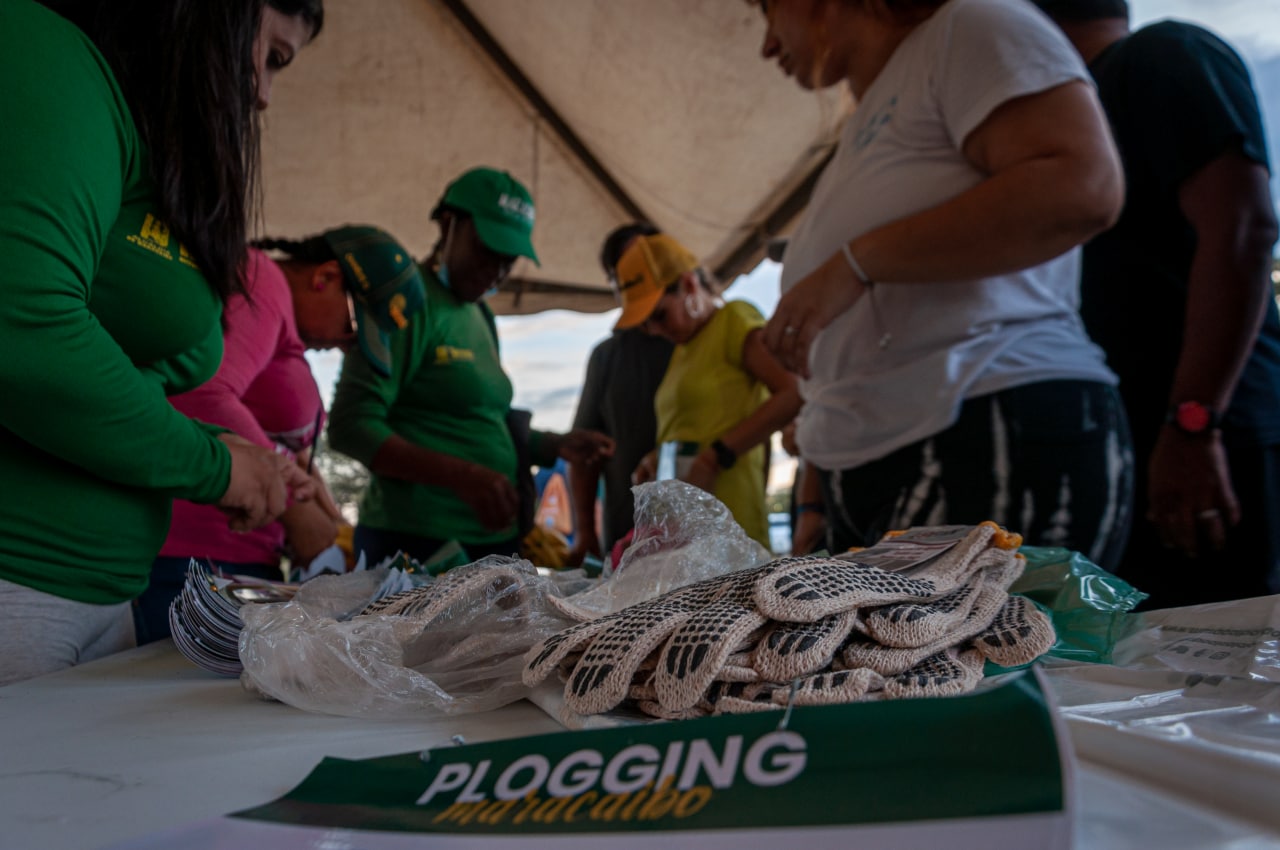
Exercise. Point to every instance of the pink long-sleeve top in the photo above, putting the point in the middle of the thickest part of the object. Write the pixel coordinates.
(263, 391)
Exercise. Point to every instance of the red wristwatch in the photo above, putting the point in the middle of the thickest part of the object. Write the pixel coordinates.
(1193, 418)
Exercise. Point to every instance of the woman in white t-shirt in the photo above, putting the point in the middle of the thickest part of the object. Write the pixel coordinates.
(930, 294)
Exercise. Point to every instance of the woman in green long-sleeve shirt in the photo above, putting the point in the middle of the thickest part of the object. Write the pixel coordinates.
(124, 178)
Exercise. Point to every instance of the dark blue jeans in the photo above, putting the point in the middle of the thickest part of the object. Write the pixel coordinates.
(1052, 461)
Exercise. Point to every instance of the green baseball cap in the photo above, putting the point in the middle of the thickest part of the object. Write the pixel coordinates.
(499, 205)
(385, 285)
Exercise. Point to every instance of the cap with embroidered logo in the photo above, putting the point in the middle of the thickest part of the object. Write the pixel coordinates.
(500, 207)
(645, 270)
(385, 285)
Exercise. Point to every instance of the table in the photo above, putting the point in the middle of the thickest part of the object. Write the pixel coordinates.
(143, 740)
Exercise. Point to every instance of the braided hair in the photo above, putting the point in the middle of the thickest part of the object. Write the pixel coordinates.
(313, 249)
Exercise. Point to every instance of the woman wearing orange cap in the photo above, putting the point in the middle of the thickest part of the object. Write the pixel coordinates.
(723, 394)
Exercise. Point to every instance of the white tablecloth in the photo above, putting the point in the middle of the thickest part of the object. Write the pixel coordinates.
(143, 741)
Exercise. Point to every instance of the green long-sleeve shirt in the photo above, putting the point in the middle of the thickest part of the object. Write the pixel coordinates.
(102, 315)
(447, 393)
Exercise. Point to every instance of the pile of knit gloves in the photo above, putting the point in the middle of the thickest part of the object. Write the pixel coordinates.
(880, 623)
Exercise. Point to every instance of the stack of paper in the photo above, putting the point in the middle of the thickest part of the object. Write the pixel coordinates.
(205, 618)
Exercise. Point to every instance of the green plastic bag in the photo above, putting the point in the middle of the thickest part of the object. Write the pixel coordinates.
(1088, 605)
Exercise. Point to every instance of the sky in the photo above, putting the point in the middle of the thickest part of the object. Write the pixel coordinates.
(546, 354)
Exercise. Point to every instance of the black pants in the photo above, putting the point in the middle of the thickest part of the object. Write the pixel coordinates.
(1052, 461)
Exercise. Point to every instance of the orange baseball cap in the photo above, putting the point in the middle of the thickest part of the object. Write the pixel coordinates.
(644, 271)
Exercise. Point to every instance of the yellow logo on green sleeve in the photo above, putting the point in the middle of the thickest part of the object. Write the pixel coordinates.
(446, 354)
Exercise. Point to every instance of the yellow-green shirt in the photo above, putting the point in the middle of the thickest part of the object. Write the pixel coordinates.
(706, 392)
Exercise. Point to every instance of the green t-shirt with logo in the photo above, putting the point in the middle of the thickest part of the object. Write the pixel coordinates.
(102, 316)
(446, 393)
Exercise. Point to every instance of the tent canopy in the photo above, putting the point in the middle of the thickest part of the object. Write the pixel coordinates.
(608, 110)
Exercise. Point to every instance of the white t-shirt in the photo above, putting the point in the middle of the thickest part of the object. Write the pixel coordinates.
(895, 368)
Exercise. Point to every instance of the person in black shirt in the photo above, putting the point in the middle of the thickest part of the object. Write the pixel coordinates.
(623, 374)
(1177, 294)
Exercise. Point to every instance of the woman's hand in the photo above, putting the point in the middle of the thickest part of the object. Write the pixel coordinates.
(491, 496)
(811, 530)
(584, 544)
(647, 469)
(311, 527)
(808, 307)
(261, 484)
(703, 471)
(583, 446)
(1189, 492)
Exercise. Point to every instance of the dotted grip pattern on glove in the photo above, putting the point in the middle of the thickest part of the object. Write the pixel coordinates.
(807, 631)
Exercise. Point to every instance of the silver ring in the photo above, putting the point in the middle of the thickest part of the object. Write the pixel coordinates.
(1211, 513)
(789, 330)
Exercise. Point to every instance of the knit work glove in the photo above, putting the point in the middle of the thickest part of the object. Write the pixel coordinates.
(615, 646)
(808, 589)
(791, 650)
(952, 671)
(1019, 634)
(994, 582)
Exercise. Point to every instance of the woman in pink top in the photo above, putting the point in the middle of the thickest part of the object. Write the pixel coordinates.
(347, 284)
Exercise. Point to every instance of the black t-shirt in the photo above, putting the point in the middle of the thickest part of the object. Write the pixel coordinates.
(1177, 97)
(623, 374)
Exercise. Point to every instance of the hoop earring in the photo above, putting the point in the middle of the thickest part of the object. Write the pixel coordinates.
(692, 307)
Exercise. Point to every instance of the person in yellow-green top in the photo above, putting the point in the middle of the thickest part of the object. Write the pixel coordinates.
(125, 170)
(723, 391)
(436, 429)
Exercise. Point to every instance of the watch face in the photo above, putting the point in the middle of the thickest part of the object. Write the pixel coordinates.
(1194, 417)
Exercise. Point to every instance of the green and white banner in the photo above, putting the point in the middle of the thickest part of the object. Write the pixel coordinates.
(982, 771)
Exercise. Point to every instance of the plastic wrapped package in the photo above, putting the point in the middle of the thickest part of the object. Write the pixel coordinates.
(452, 645)
(1190, 704)
(683, 535)
(1089, 605)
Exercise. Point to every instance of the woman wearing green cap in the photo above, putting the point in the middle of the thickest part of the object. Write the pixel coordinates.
(125, 163)
(435, 434)
(350, 283)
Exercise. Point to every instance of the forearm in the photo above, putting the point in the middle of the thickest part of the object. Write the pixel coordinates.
(1050, 180)
(808, 485)
(583, 479)
(544, 447)
(1229, 205)
(1225, 307)
(773, 415)
(1019, 218)
(309, 529)
(400, 459)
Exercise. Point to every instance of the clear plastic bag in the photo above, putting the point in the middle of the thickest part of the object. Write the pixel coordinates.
(1190, 703)
(319, 652)
(683, 534)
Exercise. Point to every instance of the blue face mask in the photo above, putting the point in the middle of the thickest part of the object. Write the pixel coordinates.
(442, 274)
